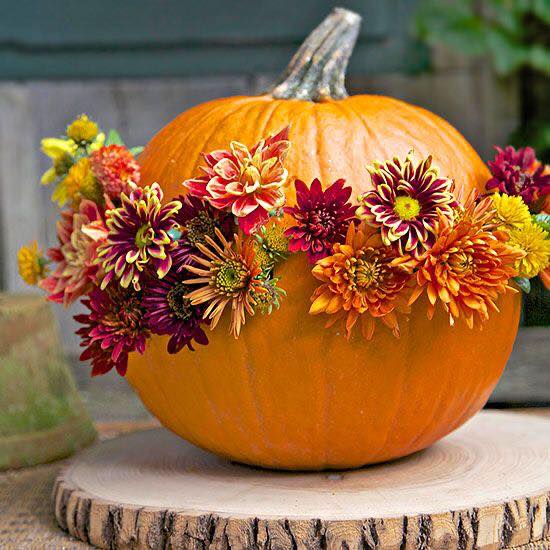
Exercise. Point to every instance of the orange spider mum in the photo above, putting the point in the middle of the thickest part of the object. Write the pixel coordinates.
(228, 274)
(360, 281)
(468, 267)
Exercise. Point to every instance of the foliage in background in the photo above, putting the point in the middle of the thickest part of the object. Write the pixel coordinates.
(515, 35)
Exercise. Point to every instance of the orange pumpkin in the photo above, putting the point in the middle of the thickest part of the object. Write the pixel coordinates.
(290, 393)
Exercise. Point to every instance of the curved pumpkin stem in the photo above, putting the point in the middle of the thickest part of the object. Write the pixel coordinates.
(318, 69)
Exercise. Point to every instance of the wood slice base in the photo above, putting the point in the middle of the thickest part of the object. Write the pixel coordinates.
(485, 486)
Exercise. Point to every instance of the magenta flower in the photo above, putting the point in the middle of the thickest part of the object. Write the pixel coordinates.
(139, 236)
(406, 203)
(322, 218)
(169, 311)
(518, 173)
(112, 329)
(248, 183)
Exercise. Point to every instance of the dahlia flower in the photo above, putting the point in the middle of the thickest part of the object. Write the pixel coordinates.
(138, 237)
(168, 311)
(228, 273)
(33, 267)
(534, 241)
(467, 268)
(405, 203)
(80, 234)
(322, 218)
(249, 183)
(115, 167)
(112, 329)
(510, 211)
(518, 173)
(359, 281)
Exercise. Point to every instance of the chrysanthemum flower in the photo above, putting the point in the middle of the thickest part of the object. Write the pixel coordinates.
(61, 152)
(467, 268)
(197, 220)
(82, 130)
(249, 183)
(518, 173)
(80, 234)
(113, 328)
(79, 183)
(169, 311)
(322, 218)
(360, 282)
(534, 241)
(115, 167)
(139, 236)
(227, 274)
(270, 297)
(33, 267)
(511, 211)
(405, 203)
(271, 245)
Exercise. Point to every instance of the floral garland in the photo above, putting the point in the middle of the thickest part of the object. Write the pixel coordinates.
(144, 266)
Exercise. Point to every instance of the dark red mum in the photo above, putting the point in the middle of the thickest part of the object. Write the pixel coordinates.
(322, 218)
(518, 173)
(112, 329)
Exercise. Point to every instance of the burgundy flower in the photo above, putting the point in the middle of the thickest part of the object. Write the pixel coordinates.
(406, 203)
(112, 329)
(518, 173)
(198, 220)
(139, 236)
(169, 311)
(322, 218)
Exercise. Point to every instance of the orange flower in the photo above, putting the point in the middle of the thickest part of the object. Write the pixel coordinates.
(360, 281)
(468, 267)
(228, 274)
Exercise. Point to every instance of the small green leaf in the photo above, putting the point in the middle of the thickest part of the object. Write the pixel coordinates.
(523, 283)
(113, 138)
(543, 220)
(136, 150)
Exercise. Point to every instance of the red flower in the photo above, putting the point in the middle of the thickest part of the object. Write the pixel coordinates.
(112, 329)
(115, 167)
(322, 217)
(518, 173)
(248, 183)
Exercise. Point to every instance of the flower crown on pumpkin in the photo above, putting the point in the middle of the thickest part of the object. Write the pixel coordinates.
(142, 265)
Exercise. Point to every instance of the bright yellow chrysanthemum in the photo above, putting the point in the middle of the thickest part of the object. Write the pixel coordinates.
(79, 182)
(60, 151)
(82, 130)
(32, 264)
(535, 242)
(511, 211)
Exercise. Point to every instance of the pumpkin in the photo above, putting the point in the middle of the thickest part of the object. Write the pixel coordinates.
(289, 393)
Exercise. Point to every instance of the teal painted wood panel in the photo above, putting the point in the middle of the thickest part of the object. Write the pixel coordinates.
(64, 38)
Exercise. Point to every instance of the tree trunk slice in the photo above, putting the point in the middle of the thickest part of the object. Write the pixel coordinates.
(485, 486)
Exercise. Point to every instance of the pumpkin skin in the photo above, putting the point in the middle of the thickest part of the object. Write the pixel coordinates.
(289, 393)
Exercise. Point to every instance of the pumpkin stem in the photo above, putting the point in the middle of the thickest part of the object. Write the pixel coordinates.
(318, 69)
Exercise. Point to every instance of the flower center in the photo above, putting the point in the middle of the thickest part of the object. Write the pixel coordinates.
(178, 302)
(144, 236)
(201, 226)
(232, 276)
(406, 207)
(462, 262)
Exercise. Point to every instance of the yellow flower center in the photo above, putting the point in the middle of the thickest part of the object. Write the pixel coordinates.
(366, 273)
(231, 276)
(406, 207)
(461, 262)
(144, 236)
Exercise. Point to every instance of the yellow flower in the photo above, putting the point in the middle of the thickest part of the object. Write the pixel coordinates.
(82, 130)
(80, 182)
(511, 211)
(32, 264)
(534, 241)
(60, 151)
